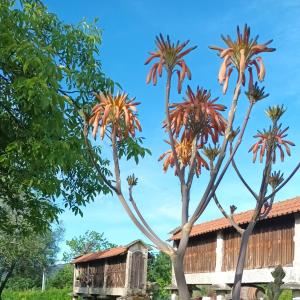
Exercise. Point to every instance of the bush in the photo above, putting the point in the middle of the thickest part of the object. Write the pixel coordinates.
(51, 294)
(63, 278)
(286, 295)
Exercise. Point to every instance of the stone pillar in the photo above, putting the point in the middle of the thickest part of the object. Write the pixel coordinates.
(128, 270)
(219, 252)
(296, 262)
(296, 294)
(174, 295)
(220, 285)
(145, 256)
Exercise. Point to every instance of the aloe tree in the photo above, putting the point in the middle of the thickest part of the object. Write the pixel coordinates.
(200, 136)
(270, 142)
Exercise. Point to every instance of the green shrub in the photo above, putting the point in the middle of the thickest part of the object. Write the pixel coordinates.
(286, 295)
(62, 278)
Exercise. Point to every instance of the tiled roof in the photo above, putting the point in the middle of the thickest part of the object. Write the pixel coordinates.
(279, 209)
(100, 255)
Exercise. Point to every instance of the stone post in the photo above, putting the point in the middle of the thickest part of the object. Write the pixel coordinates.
(145, 256)
(219, 255)
(128, 270)
(296, 262)
(220, 286)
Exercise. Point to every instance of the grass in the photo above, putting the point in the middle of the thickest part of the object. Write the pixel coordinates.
(51, 294)
(63, 294)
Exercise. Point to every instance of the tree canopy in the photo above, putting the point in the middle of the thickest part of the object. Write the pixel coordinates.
(90, 241)
(24, 257)
(48, 73)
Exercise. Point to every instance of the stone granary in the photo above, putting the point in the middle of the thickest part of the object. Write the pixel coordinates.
(213, 250)
(112, 273)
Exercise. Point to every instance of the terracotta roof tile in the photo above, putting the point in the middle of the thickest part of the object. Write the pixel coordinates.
(279, 209)
(100, 255)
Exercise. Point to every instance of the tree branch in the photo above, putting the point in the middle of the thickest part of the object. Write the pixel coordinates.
(243, 180)
(239, 229)
(207, 194)
(160, 244)
(268, 209)
(284, 182)
(169, 130)
(136, 209)
(192, 163)
(92, 157)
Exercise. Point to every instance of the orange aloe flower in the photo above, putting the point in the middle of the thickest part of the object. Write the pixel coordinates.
(118, 112)
(268, 139)
(198, 114)
(170, 56)
(241, 54)
(184, 153)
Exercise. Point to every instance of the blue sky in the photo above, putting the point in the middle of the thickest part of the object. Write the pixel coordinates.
(129, 28)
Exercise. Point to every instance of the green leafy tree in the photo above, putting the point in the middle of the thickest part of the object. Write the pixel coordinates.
(90, 241)
(24, 256)
(48, 73)
(159, 271)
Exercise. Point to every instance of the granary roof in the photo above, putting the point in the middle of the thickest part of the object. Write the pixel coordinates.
(105, 253)
(100, 255)
(279, 209)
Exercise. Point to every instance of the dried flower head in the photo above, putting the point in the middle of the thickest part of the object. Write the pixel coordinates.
(211, 152)
(240, 55)
(184, 153)
(275, 179)
(132, 180)
(198, 115)
(255, 93)
(116, 111)
(233, 208)
(233, 134)
(170, 56)
(269, 141)
(275, 112)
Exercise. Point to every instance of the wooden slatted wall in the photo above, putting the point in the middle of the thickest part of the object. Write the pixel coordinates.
(116, 269)
(200, 254)
(96, 271)
(271, 244)
(137, 270)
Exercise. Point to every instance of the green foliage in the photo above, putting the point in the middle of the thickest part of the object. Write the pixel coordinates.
(159, 271)
(51, 294)
(27, 256)
(286, 295)
(202, 291)
(132, 148)
(48, 73)
(63, 278)
(90, 241)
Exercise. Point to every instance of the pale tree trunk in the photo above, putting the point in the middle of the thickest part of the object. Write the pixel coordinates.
(5, 279)
(177, 261)
(236, 289)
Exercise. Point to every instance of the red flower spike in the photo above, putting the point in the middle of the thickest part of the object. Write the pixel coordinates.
(118, 111)
(275, 139)
(240, 54)
(198, 114)
(170, 57)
